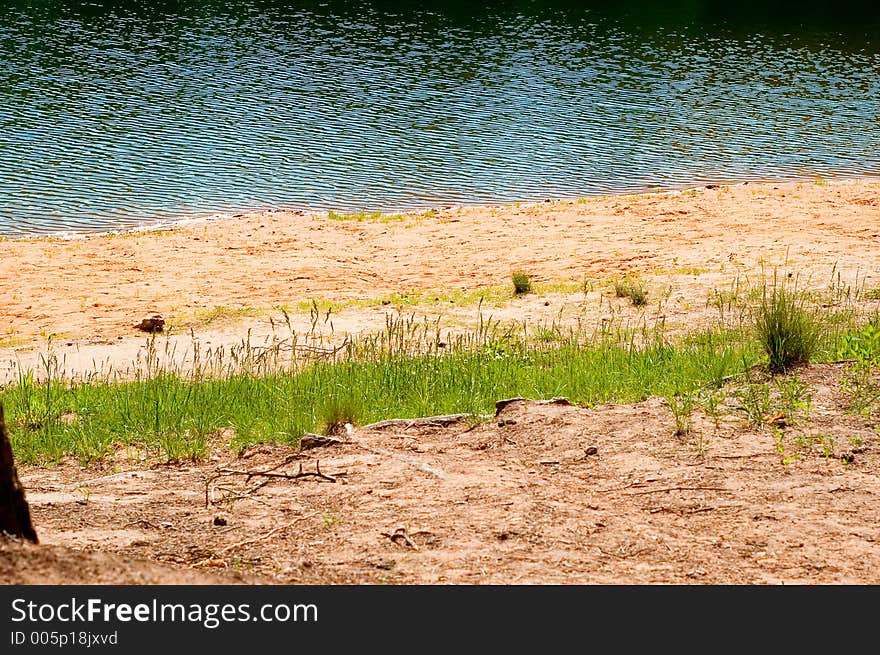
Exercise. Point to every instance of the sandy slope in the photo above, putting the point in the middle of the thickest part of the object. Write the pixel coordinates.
(544, 493)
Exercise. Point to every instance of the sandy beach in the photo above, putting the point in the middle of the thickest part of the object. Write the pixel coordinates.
(541, 492)
(219, 278)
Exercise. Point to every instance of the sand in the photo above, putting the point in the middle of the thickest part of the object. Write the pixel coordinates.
(101, 285)
(87, 293)
(543, 494)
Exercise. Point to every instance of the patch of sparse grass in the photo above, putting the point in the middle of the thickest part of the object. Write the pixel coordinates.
(711, 400)
(795, 397)
(755, 401)
(217, 314)
(401, 372)
(496, 295)
(522, 283)
(633, 288)
(682, 406)
(547, 334)
(687, 270)
(872, 294)
(860, 381)
(12, 341)
(375, 217)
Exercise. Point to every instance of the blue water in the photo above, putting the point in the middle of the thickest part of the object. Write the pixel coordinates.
(116, 114)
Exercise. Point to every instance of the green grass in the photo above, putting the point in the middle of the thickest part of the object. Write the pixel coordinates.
(375, 217)
(496, 295)
(522, 283)
(787, 328)
(12, 341)
(633, 288)
(218, 313)
(257, 394)
(173, 417)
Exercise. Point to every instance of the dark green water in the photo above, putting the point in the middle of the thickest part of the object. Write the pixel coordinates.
(122, 113)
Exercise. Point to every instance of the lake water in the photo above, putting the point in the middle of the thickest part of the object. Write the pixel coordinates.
(117, 114)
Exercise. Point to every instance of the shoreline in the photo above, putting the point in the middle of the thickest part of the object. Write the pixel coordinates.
(164, 224)
(218, 279)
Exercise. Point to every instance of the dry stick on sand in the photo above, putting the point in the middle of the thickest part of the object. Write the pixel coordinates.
(272, 532)
(284, 476)
(441, 421)
(401, 533)
(659, 491)
(269, 473)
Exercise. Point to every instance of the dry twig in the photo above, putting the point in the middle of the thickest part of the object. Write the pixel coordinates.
(270, 473)
(401, 533)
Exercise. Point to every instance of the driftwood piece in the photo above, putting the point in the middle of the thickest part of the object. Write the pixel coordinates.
(282, 476)
(501, 404)
(309, 440)
(15, 514)
(442, 421)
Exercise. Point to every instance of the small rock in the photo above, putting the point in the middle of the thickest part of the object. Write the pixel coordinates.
(711, 186)
(592, 450)
(221, 521)
(152, 323)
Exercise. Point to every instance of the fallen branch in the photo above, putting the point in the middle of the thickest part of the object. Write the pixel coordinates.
(283, 476)
(272, 532)
(441, 421)
(657, 491)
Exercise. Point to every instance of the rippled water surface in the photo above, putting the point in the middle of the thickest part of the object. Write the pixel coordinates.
(122, 113)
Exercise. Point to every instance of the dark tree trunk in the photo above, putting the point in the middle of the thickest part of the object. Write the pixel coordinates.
(15, 515)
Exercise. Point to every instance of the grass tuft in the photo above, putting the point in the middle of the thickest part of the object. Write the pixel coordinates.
(522, 283)
(788, 330)
(632, 288)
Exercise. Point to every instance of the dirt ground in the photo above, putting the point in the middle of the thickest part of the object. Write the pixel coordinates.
(542, 492)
